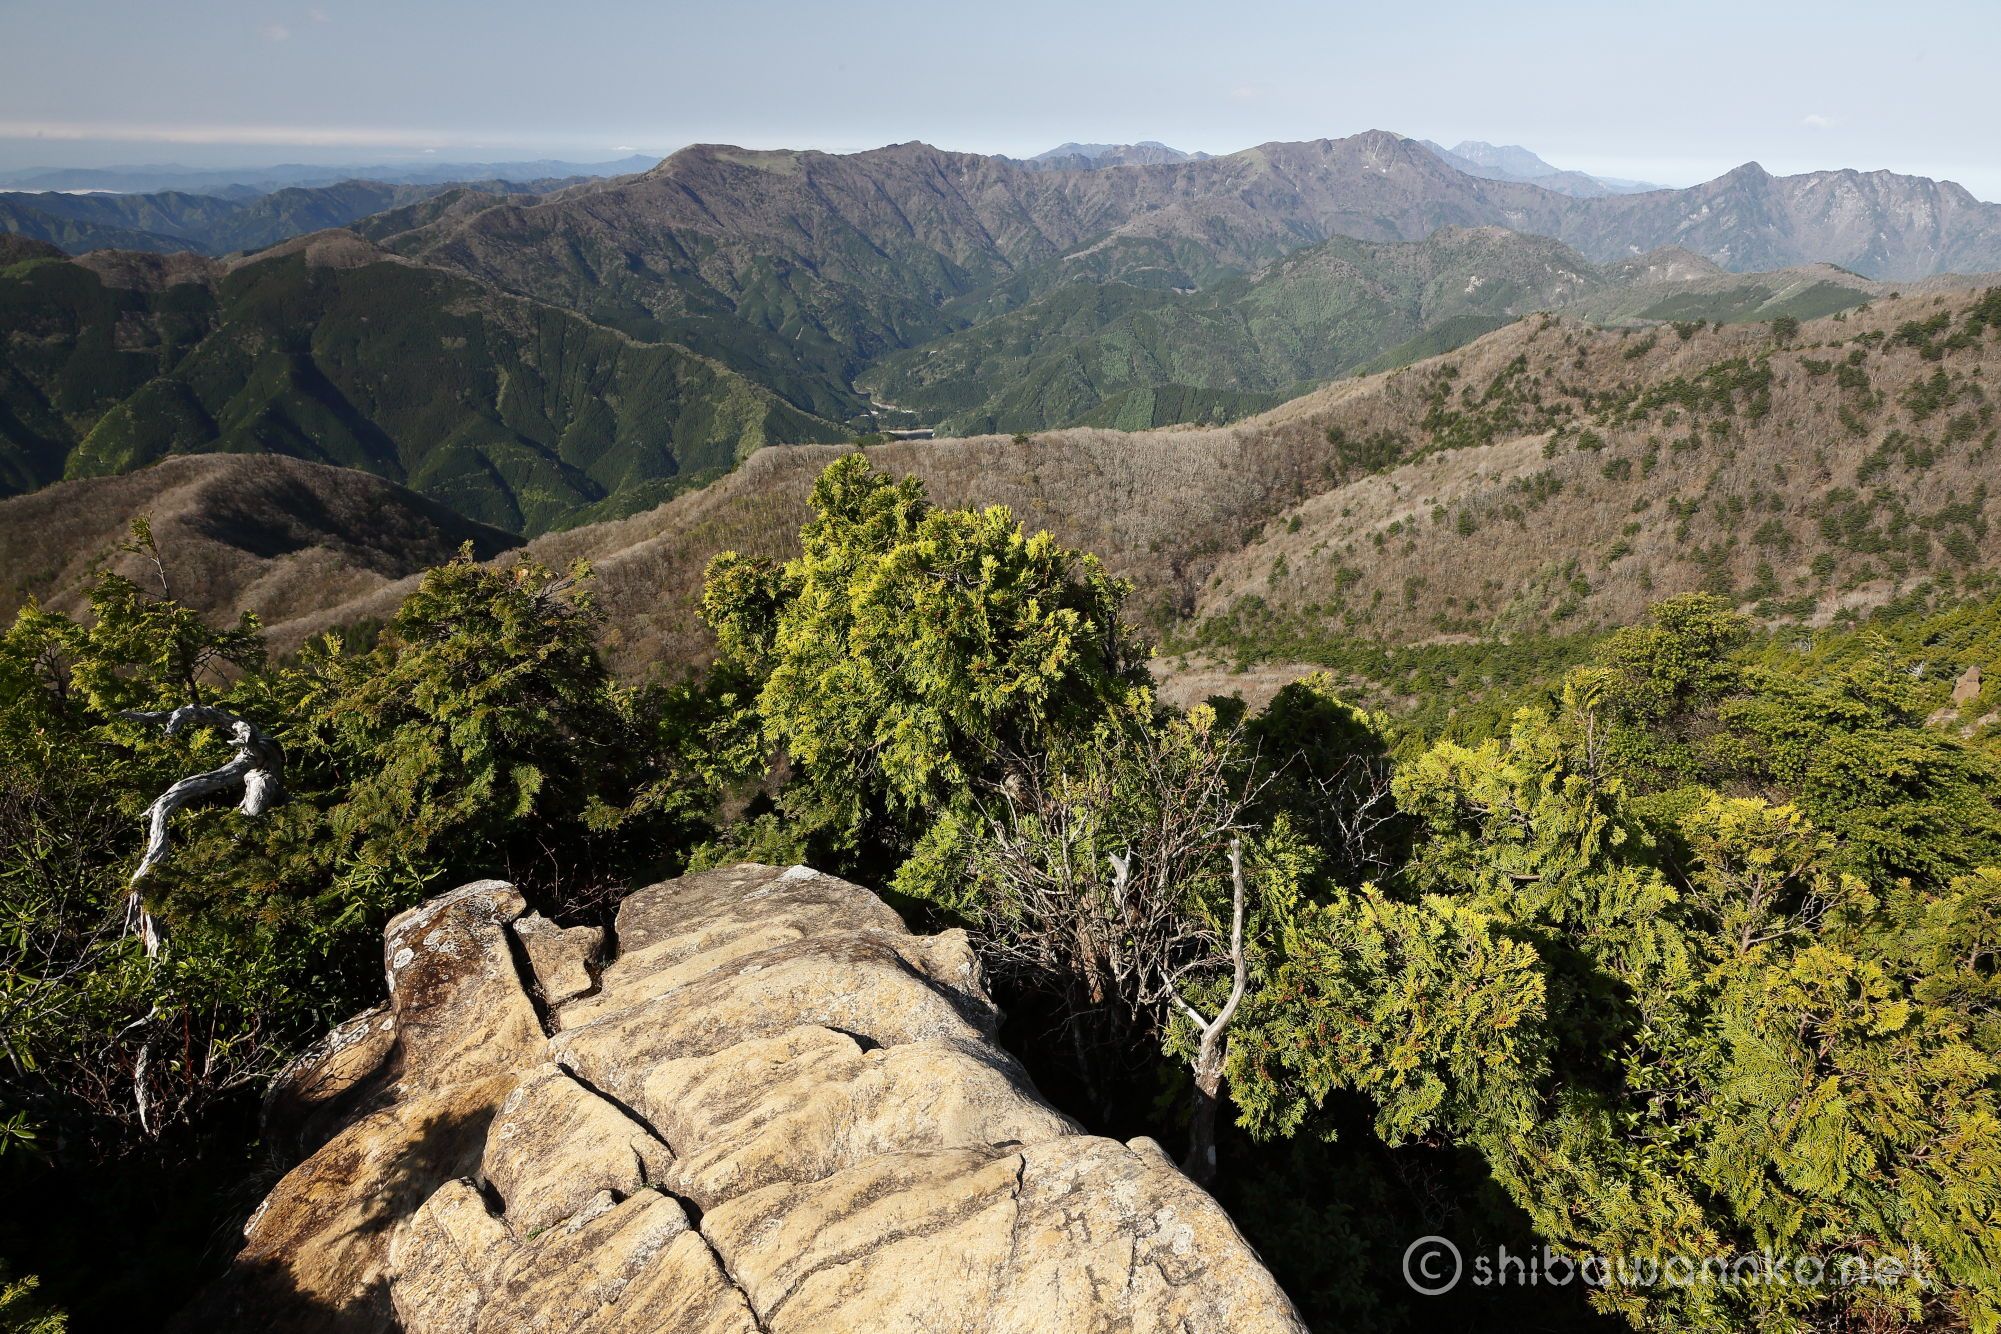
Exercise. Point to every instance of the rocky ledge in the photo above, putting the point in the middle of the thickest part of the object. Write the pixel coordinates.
(771, 1108)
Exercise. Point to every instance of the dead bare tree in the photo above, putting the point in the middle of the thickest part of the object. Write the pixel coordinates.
(258, 767)
(1093, 876)
(1357, 815)
(1212, 1047)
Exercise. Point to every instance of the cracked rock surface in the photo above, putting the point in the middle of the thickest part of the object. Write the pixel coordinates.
(773, 1108)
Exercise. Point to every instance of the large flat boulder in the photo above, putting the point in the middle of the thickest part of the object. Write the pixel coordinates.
(772, 1109)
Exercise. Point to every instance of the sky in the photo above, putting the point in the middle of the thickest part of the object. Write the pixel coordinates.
(1673, 92)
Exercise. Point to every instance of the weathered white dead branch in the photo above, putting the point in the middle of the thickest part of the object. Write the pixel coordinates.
(258, 767)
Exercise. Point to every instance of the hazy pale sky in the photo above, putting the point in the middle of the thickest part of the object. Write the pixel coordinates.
(1670, 92)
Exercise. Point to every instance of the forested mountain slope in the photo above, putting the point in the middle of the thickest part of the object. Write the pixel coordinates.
(539, 361)
(1549, 477)
(1830, 471)
(1555, 474)
(512, 412)
(799, 268)
(1091, 352)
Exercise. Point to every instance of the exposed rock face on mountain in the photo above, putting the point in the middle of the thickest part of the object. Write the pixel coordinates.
(774, 1108)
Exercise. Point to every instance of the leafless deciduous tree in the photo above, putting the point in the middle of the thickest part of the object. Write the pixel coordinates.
(1092, 877)
(64, 1056)
(1356, 814)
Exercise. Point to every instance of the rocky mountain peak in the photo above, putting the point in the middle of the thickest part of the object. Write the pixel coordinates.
(1090, 157)
(1511, 158)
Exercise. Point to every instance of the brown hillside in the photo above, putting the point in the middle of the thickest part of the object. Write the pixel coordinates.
(1559, 475)
(1159, 505)
(1549, 476)
(1852, 483)
(260, 533)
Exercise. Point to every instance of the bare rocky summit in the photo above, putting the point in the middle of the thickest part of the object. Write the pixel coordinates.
(774, 1108)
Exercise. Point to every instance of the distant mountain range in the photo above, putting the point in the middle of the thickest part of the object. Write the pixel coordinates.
(1090, 157)
(534, 359)
(802, 270)
(1512, 162)
(1133, 357)
(239, 180)
(220, 224)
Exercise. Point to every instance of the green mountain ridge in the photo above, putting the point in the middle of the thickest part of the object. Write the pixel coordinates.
(512, 412)
(1340, 307)
(805, 270)
(1305, 318)
(541, 360)
(1551, 477)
